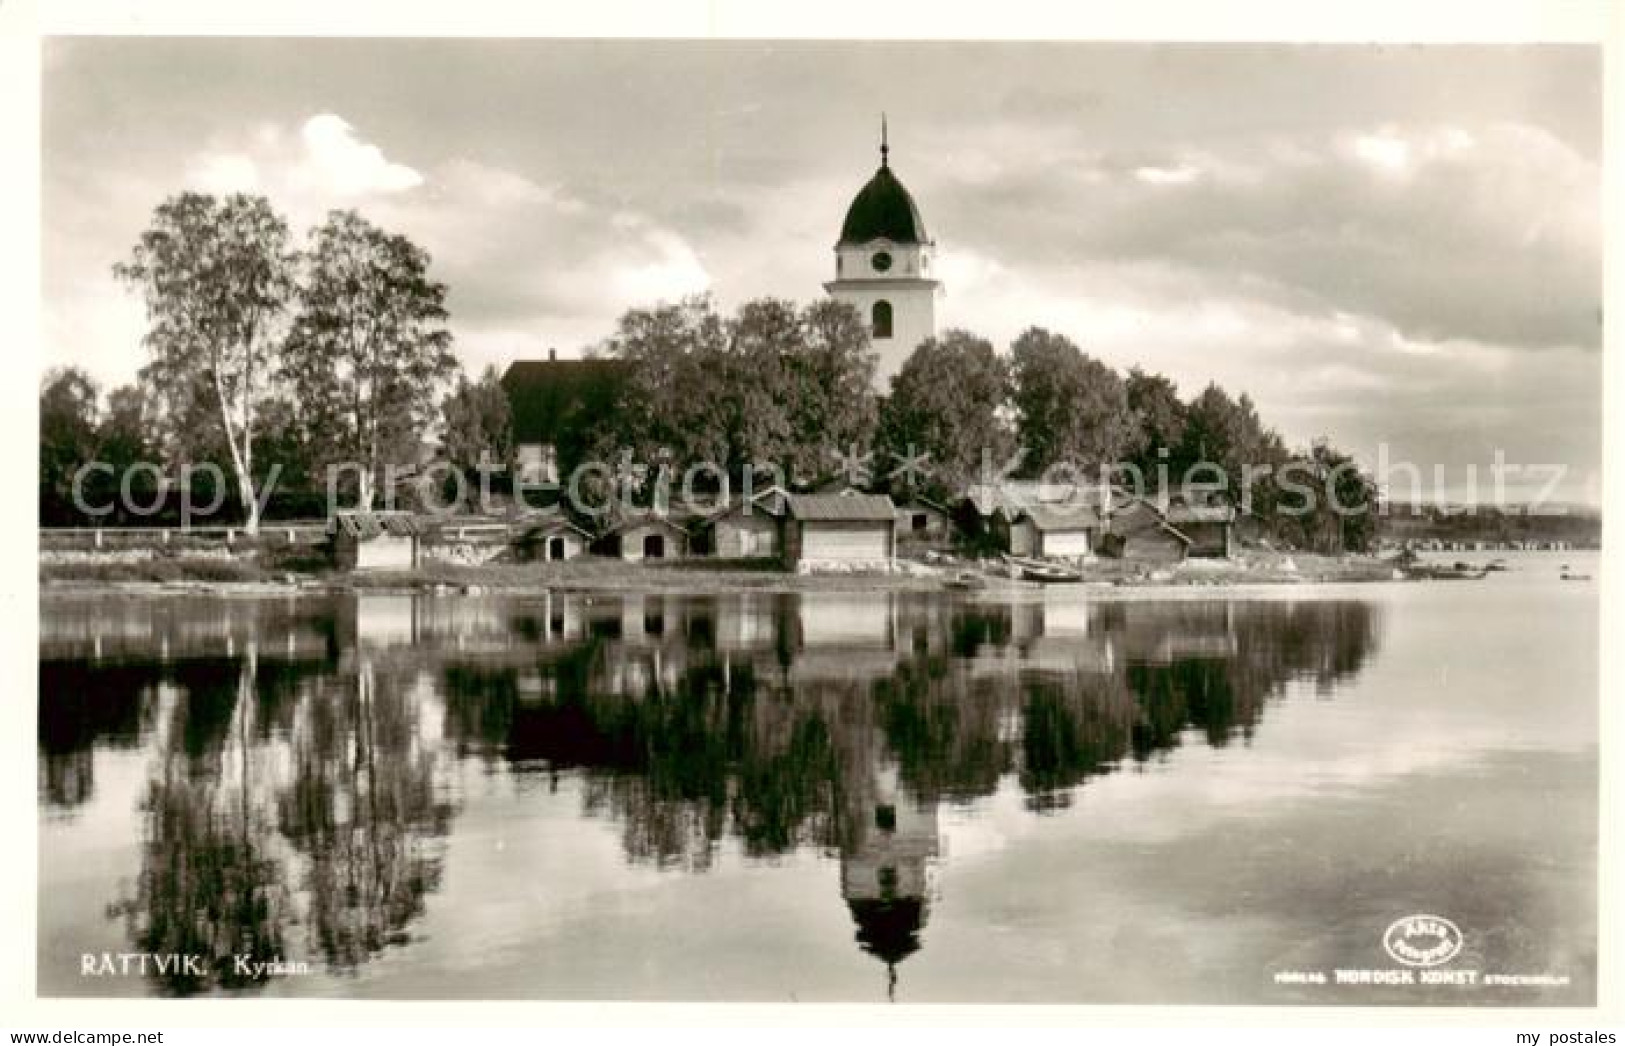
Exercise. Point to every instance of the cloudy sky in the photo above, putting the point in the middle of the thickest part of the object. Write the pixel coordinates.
(1393, 245)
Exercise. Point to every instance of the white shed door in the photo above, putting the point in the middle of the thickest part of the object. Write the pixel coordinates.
(846, 545)
(1069, 543)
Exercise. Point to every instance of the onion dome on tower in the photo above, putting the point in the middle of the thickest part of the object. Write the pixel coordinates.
(883, 209)
(883, 268)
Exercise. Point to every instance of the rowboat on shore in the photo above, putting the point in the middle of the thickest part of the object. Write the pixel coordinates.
(1440, 572)
(1040, 571)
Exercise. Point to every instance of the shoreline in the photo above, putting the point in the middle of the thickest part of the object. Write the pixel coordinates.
(614, 576)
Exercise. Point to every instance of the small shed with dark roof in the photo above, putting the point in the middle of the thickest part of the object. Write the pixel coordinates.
(1211, 528)
(1070, 530)
(922, 521)
(645, 536)
(364, 540)
(1139, 531)
(748, 528)
(551, 538)
(840, 532)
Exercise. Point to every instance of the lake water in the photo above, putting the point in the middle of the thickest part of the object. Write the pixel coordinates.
(1207, 795)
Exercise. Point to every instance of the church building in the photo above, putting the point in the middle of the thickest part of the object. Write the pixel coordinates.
(883, 268)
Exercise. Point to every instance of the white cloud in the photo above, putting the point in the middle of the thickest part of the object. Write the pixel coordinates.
(671, 272)
(335, 159)
(325, 163)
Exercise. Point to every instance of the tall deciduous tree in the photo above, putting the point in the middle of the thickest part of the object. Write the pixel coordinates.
(674, 355)
(753, 387)
(1322, 501)
(1070, 408)
(478, 427)
(67, 438)
(369, 349)
(830, 388)
(1158, 417)
(947, 402)
(1228, 433)
(767, 385)
(216, 276)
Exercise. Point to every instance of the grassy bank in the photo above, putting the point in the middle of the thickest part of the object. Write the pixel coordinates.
(160, 571)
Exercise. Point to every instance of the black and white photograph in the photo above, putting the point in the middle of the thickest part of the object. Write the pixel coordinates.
(853, 520)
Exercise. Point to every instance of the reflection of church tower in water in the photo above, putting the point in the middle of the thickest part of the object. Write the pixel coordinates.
(886, 871)
(883, 268)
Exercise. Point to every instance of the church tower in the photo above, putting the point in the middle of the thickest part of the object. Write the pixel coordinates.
(883, 268)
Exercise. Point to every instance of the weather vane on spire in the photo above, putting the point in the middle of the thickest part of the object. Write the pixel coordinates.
(884, 148)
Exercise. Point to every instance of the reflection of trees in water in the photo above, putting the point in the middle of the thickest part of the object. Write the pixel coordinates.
(742, 745)
(80, 705)
(678, 766)
(363, 809)
(942, 725)
(210, 883)
(287, 794)
(1071, 729)
(282, 797)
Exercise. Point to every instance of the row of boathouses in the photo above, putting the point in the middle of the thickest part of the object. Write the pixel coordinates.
(831, 530)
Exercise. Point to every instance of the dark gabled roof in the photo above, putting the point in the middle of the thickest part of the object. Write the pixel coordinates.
(545, 397)
(1182, 513)
(639, 519)
(1155, 519)
(1015, 495)
(842, 508)
(364, 526)
(883, 210)
(1061, 518)
(917, 499)
(541, 527)
(769, 502)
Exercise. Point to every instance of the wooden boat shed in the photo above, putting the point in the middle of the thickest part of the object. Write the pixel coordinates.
(840, 532)
(365, 540)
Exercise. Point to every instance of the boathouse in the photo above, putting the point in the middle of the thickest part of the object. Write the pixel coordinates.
(749, 528)
(552, 539)
(839, 532)
(364, 540)
(1070, 531)
(1138, 531)
(1210, 528)
(645, 537)
(924, 522)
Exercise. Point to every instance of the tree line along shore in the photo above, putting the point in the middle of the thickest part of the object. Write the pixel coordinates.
(270, 364)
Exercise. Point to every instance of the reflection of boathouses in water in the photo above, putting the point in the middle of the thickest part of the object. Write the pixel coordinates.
(831, 721)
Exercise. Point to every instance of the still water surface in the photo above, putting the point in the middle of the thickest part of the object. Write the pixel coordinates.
(1062, 797)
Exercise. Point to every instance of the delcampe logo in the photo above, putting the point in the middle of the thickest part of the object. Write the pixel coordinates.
(1422, 940)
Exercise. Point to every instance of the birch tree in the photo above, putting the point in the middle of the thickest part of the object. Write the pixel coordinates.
(216, 276)
(369, 350)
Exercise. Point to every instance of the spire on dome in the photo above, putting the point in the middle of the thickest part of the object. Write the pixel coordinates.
(883, 209)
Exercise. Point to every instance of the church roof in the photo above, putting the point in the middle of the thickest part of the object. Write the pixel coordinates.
(883, 210)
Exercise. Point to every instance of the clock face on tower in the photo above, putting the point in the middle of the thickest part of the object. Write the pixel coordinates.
(881, 261)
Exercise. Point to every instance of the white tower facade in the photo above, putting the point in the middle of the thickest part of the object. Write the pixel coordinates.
(883, 266)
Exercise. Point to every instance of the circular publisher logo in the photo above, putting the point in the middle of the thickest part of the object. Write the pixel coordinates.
(1422, 940)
